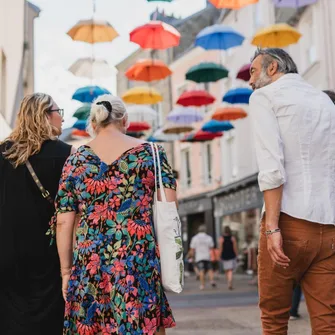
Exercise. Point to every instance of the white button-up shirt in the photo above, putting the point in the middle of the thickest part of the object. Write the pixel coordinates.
(294, 128)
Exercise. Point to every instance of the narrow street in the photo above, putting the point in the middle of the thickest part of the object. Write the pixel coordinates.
(223, 312)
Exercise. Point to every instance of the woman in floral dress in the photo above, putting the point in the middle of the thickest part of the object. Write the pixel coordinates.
(112, 281)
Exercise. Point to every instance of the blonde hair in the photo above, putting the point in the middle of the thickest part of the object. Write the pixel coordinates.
(105, 110)
(31, 130)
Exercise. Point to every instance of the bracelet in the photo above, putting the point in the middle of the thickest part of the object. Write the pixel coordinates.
(65, 271)
(270, 232)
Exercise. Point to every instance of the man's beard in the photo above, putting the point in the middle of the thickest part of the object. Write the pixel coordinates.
(262, 81)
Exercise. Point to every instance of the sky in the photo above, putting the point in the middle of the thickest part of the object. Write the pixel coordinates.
(55, 51)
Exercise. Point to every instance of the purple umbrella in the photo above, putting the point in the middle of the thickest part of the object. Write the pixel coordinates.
(293, 3)
(185, 115)
(244, 73)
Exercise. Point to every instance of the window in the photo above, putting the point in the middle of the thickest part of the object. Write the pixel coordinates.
(3, 83)
(186, 169)
(229, 165)
(158, 122)
(207, 163)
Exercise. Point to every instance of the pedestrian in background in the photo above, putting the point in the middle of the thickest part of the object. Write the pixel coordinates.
(228, 252)
(112, 282)
(30, 291)
(200, 248)
(294, 127)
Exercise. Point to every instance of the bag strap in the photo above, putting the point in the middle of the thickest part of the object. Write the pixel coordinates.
(160, 180)
(155, 167)
(45, 193)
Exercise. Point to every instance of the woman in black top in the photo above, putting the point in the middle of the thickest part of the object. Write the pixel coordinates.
(30, 292)
(228, 252)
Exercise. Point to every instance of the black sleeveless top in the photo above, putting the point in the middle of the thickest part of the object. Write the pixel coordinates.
(30, 294)
(228, 252)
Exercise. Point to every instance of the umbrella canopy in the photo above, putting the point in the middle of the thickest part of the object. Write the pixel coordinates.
(93, 31)
(80, 133)
(238, 96)
(185, 115)
(293, 3)
(141, 113)
(89, 93)
(206, 73)
(138, 126)
(155, 35)
(83, 112)
(195, 98)
(276, 36)
(142, 96)
(153, 139)
(244, 73)
(80, 125)
(160, 136)
(148, 70)
(229, 113)
(175, 128)
(201, 136)
(214, 126)
(218, 37)
(232, 4)
(91, 68)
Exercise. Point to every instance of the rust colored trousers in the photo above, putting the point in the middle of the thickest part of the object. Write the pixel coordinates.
(311, 249)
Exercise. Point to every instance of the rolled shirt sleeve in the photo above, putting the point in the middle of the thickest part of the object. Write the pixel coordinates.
(268, 142)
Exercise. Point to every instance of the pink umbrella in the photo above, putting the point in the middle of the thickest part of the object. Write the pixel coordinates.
(244, 73)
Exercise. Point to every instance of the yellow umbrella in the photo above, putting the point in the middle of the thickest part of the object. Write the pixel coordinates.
(93, 31)
(142, 95)
(276, 36)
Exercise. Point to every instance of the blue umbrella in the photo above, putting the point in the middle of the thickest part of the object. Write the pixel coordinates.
(238, 96)
(215, 126)
(153, 139)
(89, 93)
(80, 125)
(218, 37)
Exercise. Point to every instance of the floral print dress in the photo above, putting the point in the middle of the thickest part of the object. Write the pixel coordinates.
(115, 285)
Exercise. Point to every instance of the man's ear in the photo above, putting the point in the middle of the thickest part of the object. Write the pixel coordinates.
(272, 69)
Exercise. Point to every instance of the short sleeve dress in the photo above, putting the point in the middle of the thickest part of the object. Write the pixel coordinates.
(115, 285)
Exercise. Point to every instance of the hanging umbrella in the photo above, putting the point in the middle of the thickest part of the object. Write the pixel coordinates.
(91, 68)
(142, 96)
(80, 133)
(293, 3)
(153, 139)
(89, 93)
(93, 31)
(276, 36)
(148, 70)
(214, 126)
(80, 125)
(83, 112)
(206, 73)
(201, 135)
(244, 73)
(175, 128)
(218, 37)
(238, 96)
(135, 134)
(155, 35)
(160, 136)
(195, 98)
(141, 113)
(232, 4)
(185, 115)
(138, 126)
(229, 114)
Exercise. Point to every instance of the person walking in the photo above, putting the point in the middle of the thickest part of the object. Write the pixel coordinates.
(200, 248)
(112, 281)
(294, 128)
(30, 291)
(228, 252)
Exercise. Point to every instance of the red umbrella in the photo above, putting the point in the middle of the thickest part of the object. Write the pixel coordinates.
(195, 98)
(80, 133)
(138, 126)
(244, 73)
(201, 136)
(155, 35)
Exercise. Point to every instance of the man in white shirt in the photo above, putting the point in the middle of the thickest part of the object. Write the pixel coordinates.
(200, 247)
(294, 128)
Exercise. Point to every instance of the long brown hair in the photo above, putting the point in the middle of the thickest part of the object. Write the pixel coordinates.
(31, 130)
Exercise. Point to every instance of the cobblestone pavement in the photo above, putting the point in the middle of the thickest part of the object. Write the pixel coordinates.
(223, 312)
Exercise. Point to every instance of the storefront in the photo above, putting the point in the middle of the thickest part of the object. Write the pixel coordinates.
(238, 206)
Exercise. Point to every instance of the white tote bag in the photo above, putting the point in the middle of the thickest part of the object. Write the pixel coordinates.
(168, 234)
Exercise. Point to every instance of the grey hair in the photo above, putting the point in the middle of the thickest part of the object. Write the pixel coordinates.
(202, 229)
(283, 59)
(105, 110)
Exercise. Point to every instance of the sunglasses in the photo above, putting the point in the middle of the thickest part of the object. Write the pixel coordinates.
(60, 111)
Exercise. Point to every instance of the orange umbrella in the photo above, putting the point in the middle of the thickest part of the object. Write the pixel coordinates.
(155, 35)
(80, 133)
(232, 4)
(229, 113)
(148, 70)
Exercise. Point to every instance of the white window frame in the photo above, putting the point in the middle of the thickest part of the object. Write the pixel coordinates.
(186, 181)
(207, 163)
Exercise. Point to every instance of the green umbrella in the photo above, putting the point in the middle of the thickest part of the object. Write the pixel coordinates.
(83, 112)
(206, 73)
